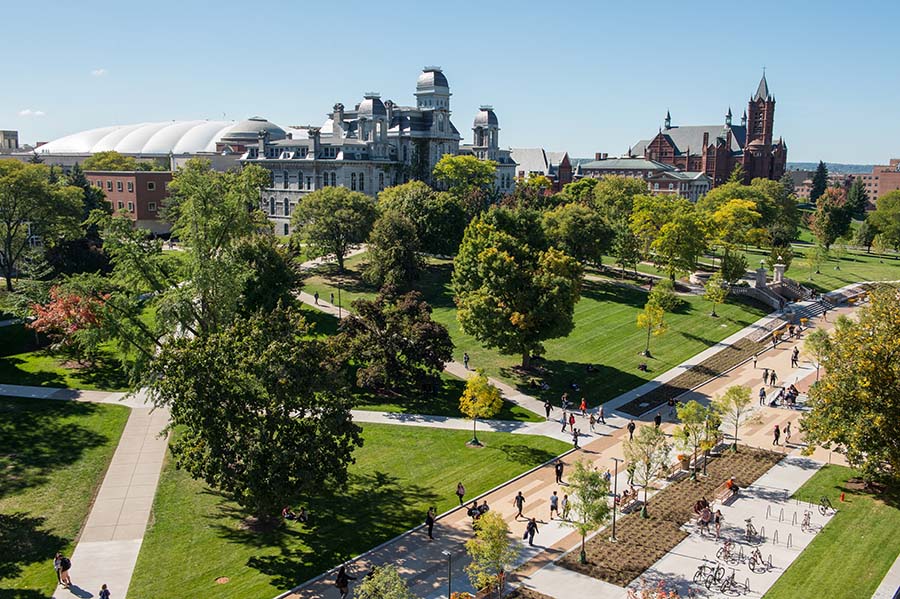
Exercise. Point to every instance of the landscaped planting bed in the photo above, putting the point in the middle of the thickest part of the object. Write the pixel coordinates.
(643, 541)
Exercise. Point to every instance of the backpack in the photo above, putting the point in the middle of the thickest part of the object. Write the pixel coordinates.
(64, 564)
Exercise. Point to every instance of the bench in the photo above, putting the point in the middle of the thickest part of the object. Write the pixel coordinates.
(722, 493)
(632, 505)
(674, 472)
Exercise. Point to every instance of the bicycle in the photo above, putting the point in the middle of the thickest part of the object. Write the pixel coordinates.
(825, 505)
(730, 586)
(756, 561)
(725, 552)
(705, 571)
(750, 532)
(806, 524)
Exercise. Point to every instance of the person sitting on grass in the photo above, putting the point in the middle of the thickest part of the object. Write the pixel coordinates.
(303, 516)
(288, 514)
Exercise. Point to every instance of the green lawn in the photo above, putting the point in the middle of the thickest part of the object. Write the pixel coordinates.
(53, 455)
(851, 555)
(196, 535)
(605, 334)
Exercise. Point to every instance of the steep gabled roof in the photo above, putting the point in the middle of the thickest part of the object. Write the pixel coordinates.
(690, 137)
(762, 92)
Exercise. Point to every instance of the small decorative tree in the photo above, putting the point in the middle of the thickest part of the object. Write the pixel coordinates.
(652, 319)
(72, 322)
(492, 551)
(818, 343)
(692, 432)
(647, 453)
(716, 291)
(735, 408)
(385, 582)
(590, 504)
(480, 399)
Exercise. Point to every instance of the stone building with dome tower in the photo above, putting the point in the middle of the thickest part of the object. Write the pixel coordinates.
(375, 145)
(716, 149)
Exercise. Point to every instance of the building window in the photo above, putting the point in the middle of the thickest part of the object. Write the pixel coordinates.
(286, 229)
(272, 206)
(285, 180)
(325, 180)
(333, 179)
(380, 180)
(151, 186)
(109, 185)
(99, 183)
(118, 186)
(353, 181)
(362, 181)
(287, 207)
(121, 205)
(130, 186)
(656, 186)
(130, 206)
(671, 186)
(151, 206)
(309, 183)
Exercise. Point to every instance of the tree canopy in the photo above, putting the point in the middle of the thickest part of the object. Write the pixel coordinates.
(855, 407)
(332, 221)
(832, 217)
(819, 182)
(440, 218)
(492, 550)
(393, 252)
(590, 503)
(480, 399)
(614, 196)
(513, 291)
(672, 231)
(579, 231)
(463, 174)
(886, 219)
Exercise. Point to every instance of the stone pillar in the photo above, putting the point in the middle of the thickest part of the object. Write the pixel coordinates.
(761, 276)
(778, 276)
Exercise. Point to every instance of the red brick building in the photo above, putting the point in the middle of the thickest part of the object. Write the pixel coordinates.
(716, 149)
(138, 195)
(883, 179)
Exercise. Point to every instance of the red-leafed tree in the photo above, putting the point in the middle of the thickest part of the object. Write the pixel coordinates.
(72, 323)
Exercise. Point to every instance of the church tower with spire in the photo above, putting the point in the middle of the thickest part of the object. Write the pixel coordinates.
(761, 157)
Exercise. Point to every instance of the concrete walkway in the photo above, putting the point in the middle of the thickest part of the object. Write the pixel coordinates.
(890, 584)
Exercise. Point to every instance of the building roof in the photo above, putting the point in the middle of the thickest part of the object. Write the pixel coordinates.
(486, 116)
(762, 92)
(623, 164)
(371, 106)
(160, 138)
(690, 137)
(431, 77)
(680, 175)
(536, 160)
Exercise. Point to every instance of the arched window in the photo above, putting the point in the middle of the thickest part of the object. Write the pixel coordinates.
(287, 229)
(287, 207)
(299, 180)
(380, 180)
(440, 122)
(324, 179)
(285, 179)
(353, 181)
(272, 206)
(333, 179)
(362, 181)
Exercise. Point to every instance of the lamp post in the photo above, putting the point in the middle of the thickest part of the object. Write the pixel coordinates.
(339, 302)
(449, 557)
(615, 490)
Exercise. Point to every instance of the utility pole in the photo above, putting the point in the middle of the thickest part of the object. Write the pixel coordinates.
(449, 557)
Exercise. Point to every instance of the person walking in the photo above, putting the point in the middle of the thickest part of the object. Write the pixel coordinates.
(460, 492)
(316, 297)
(631, 427)
(57, 566)
(718, 521)
(565, 422)
(657, 420)
(762, 396)
(554, 505)
(773, 377)
(548, 407)
(776, 432)
(530, 530)
(519, 502)
(592, 421)
(104, 592)
(564, 400)
(765, 376)
(575, 438)
(331, 301)
(572, 422)
(671, 404)
(64, 565)
(558, 469)
(607, 476)
(754, 361)
(583, 408)
(342, 582)
(430, 517)
(565, 507)
(795, 355)
(600, 415)
(466, 360)
(787, 434)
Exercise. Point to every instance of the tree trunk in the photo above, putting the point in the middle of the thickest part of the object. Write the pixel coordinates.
(8, 276)
(526, 360)
(340, 261)
(647, 349)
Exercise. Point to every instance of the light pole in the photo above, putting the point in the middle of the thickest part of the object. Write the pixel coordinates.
(615, 490)
(339, 302)
(449, 572)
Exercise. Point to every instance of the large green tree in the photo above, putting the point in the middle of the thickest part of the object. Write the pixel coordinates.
(673, 231)
(333, 220)
(886, 219)
(109, 161)
(393, 252)
(259, 409)
(394, 341)
(579, 231)
(463, 174)
(271, 278)
(513, 292)
(581, 190)
(832, 217)
(855, 407)
(819, 182)
(440, 218)
(614, 196)
(32, 209)
(857, 199)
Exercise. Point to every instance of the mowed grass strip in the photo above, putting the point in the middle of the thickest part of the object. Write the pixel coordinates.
(53, 455)
(196, 535)
(605, 334)
(849, 557)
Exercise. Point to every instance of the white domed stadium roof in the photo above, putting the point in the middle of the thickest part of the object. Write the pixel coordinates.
(169, 137)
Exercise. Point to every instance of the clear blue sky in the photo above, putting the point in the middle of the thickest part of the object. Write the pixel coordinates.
(577, 76)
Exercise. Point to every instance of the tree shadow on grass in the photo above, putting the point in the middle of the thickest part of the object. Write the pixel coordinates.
(521, 454)
(12, 372)
(600, 385)
(373, 508)
(106, 373)
(604, 291)
(22, 543)
(35, 441)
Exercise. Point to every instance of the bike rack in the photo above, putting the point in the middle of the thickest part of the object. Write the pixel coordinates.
(781, 515)
(762, 532)
(790, 542)
(769, 562)
(775, 537)
(740, 553)
(794, 520)
(768, 511)
(747, 585)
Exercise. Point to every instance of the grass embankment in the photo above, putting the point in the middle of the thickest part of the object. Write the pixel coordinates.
(849, 557)
(53, 455)
(605, 333)
(196, 535)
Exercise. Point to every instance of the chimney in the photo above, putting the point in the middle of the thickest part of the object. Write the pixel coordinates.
(389, 108)
(338, 119)
(263, 140)
(599, 156)
(604, 156)
(705, 140)
(314, 136)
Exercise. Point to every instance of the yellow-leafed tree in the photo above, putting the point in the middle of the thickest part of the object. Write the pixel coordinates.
(480, 399)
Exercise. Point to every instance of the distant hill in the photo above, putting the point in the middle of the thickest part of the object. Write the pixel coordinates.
(833, 167)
